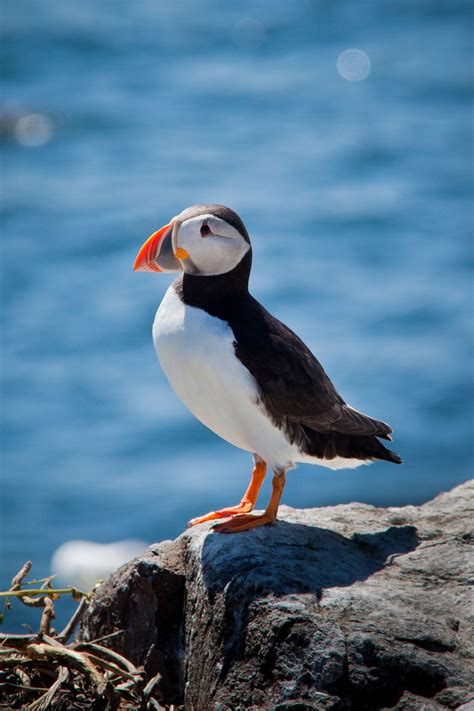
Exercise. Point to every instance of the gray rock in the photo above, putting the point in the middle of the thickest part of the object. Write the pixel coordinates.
(345, 607)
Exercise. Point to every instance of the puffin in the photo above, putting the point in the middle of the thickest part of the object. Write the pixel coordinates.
(241, 371)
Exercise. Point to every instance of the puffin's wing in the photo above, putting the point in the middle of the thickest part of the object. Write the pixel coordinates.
(292, 383)
(350, 421)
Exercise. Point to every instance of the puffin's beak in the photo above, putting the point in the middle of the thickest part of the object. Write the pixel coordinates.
(157, 253)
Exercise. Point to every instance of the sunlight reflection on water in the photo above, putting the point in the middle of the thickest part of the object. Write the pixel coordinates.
(353, 64)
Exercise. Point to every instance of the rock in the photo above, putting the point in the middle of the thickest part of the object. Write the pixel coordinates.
(345, 607)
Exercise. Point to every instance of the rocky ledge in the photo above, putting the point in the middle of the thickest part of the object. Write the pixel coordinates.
(345, 607)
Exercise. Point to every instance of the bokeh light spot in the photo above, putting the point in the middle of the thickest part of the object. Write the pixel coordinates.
(353, 65)
(34, 130)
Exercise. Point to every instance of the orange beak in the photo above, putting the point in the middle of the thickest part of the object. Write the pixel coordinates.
(156, 254)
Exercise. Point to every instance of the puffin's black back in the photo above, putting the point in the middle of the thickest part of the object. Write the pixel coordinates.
(294, 388)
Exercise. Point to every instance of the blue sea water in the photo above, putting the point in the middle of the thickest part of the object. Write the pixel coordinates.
(356, 195)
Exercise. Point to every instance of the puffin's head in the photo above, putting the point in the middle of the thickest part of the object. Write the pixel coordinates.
(204, 240)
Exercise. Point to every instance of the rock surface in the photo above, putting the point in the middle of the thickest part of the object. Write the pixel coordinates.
(345, 607)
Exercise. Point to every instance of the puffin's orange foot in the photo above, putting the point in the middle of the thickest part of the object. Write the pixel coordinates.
(244, 523)
(242, 508)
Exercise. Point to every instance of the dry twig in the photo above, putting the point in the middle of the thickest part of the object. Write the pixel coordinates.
(40, 671)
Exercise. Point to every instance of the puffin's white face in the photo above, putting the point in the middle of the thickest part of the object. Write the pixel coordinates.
(203, 244)
(212, 245)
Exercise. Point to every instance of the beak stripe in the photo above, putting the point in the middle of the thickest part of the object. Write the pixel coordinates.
(145, 261)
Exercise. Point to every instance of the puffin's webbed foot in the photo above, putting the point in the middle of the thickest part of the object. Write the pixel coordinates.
(248, 501)
(244, 523)
(242, 508)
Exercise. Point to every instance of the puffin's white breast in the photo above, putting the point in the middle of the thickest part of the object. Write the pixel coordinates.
(196, 352)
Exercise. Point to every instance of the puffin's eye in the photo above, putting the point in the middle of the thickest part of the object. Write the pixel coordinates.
(205, 230)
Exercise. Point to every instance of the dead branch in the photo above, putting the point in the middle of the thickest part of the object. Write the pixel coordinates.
(75, 676)
(68, 656)
(46, 700)
(47, 616)
(19, 577)
(74, 621)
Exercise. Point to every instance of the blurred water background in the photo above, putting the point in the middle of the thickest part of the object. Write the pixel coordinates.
(352, 173)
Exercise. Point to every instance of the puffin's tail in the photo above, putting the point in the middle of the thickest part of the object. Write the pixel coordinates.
(387, 454)
(368, 448)
(329, 445)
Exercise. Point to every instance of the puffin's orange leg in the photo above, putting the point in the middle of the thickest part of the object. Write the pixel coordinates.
(243, 523)
(248, 501)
